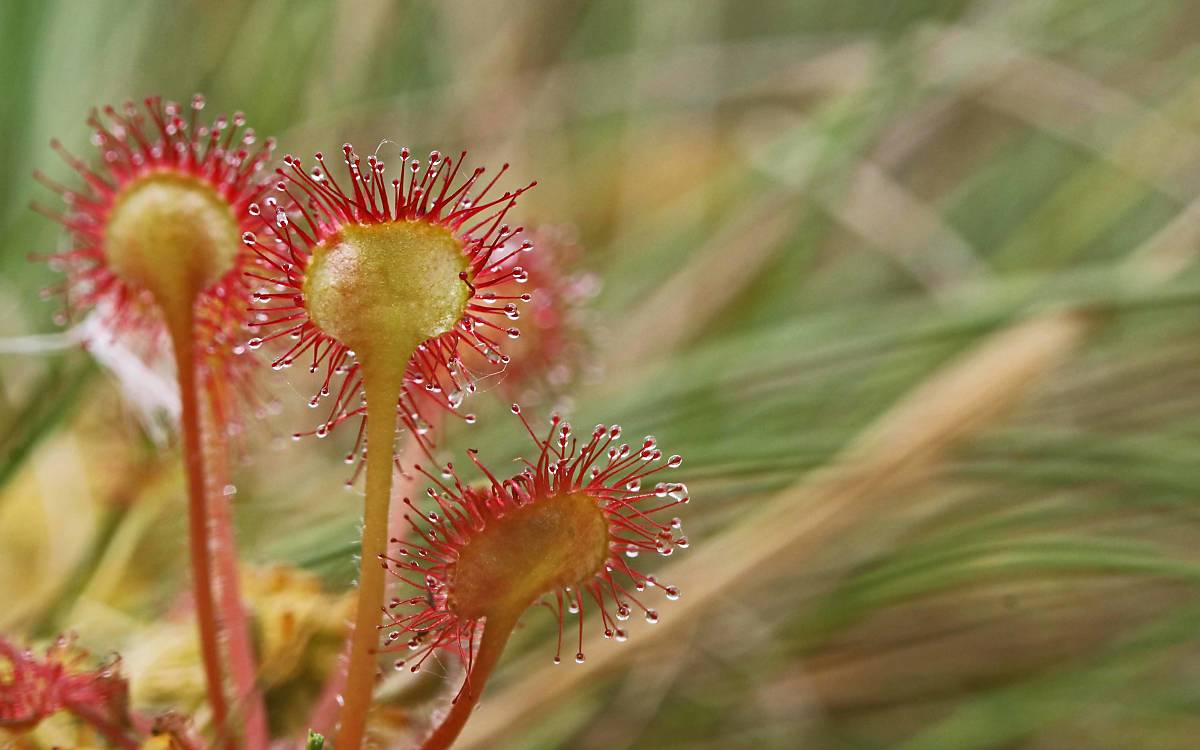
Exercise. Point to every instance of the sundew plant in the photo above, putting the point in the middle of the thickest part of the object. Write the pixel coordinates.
(599, 374)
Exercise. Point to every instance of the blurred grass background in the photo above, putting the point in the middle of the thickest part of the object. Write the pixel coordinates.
(909, 284)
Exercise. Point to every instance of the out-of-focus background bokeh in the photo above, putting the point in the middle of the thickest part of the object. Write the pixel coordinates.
(911, 285)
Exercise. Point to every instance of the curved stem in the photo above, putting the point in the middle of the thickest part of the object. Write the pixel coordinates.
(496, 630)
(382, 393)
(198, 530)
(242, 665)
(323, 715)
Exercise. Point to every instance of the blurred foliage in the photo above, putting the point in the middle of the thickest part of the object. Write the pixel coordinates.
(802, 211)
